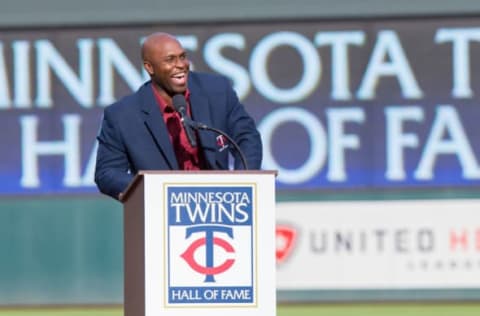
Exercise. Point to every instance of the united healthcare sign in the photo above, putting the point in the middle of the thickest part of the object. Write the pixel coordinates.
(381, 245)
(339, 104)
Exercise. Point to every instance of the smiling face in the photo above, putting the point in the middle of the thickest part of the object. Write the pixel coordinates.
(166, 62)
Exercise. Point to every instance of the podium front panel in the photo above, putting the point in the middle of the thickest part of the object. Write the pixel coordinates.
(210, 243)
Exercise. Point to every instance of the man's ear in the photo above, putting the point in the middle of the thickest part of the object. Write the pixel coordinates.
(148, 67)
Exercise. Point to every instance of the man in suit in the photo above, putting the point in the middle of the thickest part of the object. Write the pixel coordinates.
(142, 131)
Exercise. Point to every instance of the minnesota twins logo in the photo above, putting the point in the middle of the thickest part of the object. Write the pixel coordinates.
(222, 143)
(210, 243)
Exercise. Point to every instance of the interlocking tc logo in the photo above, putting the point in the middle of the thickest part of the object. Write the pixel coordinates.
(209, 242)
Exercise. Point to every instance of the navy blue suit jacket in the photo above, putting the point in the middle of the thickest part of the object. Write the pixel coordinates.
(134, 137)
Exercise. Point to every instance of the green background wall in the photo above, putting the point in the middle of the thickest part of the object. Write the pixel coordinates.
(61, 250)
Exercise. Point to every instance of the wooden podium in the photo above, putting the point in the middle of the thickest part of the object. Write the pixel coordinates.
(200, 243)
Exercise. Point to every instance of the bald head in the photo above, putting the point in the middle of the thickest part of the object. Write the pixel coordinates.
(154, 42)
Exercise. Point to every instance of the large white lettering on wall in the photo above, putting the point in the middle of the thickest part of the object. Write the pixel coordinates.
(338, 104)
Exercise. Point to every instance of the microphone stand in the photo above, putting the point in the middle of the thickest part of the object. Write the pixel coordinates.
(198, 125)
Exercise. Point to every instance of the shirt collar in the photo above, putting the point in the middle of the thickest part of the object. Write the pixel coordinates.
(164, 105)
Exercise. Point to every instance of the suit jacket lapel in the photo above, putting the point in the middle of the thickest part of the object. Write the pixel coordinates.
(201, 113)
(156, 125)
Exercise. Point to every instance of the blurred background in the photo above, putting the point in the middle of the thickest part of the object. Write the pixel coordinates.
(368, 109)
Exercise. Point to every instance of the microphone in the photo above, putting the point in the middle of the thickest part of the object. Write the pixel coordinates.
(180, 105)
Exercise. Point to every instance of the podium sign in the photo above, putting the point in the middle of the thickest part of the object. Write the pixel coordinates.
(200, 243)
